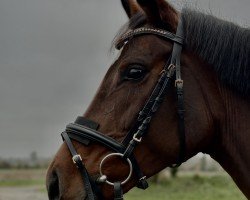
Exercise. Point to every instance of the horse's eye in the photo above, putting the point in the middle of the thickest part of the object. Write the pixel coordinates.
(135, 73)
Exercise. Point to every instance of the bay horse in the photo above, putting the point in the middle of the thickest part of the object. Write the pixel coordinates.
(142, 121)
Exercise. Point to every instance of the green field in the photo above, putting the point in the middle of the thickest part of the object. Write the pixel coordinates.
(218, 187)
(22, 178)
(184, 187)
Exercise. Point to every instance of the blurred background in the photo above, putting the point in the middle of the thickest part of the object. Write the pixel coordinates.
(53, 56)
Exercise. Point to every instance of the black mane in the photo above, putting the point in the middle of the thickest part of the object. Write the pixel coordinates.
(224, 45)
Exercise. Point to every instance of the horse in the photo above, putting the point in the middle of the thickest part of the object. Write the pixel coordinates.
(180, 86)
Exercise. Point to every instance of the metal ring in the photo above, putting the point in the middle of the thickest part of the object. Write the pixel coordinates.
(120, 155)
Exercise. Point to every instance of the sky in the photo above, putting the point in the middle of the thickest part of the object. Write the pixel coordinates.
(53, 56)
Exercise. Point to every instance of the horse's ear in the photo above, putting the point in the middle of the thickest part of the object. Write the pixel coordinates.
(131, 7)
(160, 13)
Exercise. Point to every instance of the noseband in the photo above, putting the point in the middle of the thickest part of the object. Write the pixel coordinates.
(85, 131)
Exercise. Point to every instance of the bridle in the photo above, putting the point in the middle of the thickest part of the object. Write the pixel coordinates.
(85, 131)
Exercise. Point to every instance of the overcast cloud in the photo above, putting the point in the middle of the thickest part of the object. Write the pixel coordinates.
(53, 55)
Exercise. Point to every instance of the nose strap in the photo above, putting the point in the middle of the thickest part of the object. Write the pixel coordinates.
(85, 131)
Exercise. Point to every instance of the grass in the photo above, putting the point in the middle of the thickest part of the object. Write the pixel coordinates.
(22, 178)
(184, 187)
(20, 183)
(190, 188)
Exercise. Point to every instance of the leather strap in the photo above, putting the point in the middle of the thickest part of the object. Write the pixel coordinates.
(151, 107)
(78, 162)
(148, 106)
(156, 98)
(176, 59)
(118, 194)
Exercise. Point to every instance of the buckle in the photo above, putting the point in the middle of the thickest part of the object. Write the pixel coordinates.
(76, 158)
(171, 69)
(171, 66)
(179, 83)
(137, 139)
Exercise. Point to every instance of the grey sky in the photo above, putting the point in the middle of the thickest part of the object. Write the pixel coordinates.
(53, 55)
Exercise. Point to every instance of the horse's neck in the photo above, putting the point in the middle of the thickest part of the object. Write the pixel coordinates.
(233, 142)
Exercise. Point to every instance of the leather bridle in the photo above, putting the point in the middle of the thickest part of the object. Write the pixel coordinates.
(85, 131)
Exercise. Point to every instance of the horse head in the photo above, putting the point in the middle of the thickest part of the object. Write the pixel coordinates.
(122, 116)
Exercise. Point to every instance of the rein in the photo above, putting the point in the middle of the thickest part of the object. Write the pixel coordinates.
(85, 131)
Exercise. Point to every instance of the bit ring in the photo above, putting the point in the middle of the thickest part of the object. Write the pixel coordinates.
(119, 155)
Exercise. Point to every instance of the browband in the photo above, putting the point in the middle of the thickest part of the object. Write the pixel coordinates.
(140, 31)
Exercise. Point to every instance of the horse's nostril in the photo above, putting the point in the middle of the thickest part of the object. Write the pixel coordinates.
(53, 186)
